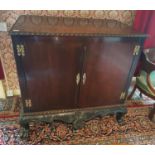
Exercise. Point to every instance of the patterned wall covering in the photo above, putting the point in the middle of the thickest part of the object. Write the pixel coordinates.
(10, 17)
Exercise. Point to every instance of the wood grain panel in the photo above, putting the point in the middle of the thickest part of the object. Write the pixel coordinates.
(108, 62)
(51, 65)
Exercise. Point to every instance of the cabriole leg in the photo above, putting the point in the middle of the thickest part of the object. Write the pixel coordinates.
(24, 130)
(119, 117)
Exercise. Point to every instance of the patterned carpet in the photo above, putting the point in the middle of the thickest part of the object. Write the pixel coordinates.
(136, 129)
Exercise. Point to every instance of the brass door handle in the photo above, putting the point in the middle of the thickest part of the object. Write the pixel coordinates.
(77, 78)
(84, 78)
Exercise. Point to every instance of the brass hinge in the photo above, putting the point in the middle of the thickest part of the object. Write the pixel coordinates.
(136, 50)
(28, 103)
(20, 50)
(122, 96)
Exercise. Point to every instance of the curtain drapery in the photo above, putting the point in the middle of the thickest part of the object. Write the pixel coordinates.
(145, 22)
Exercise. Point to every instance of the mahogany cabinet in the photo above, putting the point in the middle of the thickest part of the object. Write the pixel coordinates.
(73, 69)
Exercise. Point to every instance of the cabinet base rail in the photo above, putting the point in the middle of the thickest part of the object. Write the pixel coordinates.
(77, 118)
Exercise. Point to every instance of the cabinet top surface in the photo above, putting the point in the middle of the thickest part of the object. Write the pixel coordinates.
(66, 26)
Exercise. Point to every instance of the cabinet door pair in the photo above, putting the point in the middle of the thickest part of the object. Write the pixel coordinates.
(71, 72)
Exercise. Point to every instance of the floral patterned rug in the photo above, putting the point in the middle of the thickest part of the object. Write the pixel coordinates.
(136, 129)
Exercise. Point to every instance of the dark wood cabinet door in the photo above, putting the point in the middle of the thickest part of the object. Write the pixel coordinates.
(51, 65)
(107, 64)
